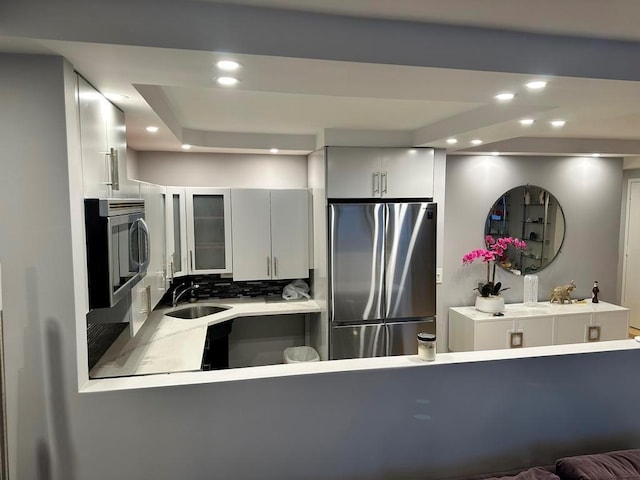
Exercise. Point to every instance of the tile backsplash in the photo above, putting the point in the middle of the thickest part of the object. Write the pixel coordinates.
(213, 286)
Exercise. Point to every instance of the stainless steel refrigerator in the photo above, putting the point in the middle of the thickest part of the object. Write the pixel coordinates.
(382, 270)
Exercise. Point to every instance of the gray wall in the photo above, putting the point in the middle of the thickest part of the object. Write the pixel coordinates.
(222, 170)
(628, 174)
(36, 256)
(433, 421)
(589, 191)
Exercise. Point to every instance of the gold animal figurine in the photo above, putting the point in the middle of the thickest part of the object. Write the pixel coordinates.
(562, 293)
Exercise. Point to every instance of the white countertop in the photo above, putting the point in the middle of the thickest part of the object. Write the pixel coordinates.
(541, 309)
(167, 345)
(355, 364)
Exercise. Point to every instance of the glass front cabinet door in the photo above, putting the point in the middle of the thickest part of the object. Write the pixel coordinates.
(208, 230)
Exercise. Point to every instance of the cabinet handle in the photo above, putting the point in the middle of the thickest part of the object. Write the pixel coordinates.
(171, 267)
(593, 334)
(113, 161)
(191, 259)
(148, 292)
(516, 339)
(268, 267)
(275, 266)
(384, 182)
(376, 182)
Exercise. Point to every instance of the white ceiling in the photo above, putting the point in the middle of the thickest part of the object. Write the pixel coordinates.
(291, 103)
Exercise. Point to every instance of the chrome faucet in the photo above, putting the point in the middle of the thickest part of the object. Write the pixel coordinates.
(178, 294)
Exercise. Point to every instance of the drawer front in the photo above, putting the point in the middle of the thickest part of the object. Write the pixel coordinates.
(571, 328)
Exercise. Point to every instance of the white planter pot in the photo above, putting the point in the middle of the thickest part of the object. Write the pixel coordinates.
(490, 304)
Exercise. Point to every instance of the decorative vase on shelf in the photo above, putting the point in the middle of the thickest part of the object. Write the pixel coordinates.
(527, 198)
(490, 304)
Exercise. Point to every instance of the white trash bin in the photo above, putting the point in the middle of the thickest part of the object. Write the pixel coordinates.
(300, 354)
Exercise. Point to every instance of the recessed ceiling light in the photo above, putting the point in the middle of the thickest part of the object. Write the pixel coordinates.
(495, 154)
(527, 121)
(476, 142)
(557, 123)
(506, 96)
(274, 150)
(116, 97)
(595, 154)
(228, 65)
(186, 146)
(452, 141)
(227, 81)
(537, 85)
(152, 129)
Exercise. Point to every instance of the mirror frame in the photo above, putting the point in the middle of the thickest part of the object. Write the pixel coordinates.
(501, 206)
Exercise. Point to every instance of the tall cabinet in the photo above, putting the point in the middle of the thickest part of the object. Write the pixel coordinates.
(270, 234)
(103, 145)
(148, 292)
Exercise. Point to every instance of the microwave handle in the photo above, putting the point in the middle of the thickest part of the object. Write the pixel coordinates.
(145, 250)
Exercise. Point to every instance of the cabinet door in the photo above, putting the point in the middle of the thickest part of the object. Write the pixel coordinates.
(251, 233)
(155, 216)
(93, 138)
(571, 328)
(176, 233)
(290, 233)
(140, 305)
(613, 325)
(353, 172)
(493, 334)
(407, 172)
(209, 230)
(117, 145)
(536, 332)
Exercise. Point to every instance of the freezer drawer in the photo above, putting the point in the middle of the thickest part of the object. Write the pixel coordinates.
(402, 336)
(358, 341)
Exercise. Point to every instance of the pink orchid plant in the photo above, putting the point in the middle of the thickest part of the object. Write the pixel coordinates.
(494, 252)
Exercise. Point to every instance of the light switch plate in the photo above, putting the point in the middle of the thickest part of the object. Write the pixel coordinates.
(438, 275)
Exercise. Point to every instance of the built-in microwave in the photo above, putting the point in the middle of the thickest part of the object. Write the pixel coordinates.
(118, 248)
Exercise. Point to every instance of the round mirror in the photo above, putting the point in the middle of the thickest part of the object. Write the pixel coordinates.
(531, 214)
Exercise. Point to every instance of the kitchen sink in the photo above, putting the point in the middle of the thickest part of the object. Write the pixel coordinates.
(196, 311)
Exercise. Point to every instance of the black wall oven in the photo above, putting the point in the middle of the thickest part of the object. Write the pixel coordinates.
(118, 248)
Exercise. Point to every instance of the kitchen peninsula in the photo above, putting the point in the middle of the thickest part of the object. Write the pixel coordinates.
(167, 344)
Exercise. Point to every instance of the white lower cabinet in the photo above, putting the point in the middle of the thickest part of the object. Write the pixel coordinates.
(513, 333)
(572, 328)
(270, 231)
(544, 324)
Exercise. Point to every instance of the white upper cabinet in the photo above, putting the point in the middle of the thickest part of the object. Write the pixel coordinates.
(93, 137)
(251, 227)
(270, 234)
(209, 230)
(176, 232)
(290, 233)
(353, 172)
(365, 172)
(103, 146)
(406, 172)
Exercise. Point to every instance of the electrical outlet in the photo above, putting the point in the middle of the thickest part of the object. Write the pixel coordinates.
(438, 275)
